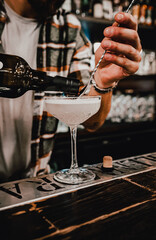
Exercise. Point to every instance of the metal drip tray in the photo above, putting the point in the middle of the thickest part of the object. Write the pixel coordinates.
(30, 190)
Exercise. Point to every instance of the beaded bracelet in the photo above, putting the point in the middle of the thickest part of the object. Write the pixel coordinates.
(104, 90)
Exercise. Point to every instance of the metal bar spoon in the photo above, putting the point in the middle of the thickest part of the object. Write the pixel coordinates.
(85, 89)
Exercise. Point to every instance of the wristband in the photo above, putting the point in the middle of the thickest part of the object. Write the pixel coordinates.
(104, 90)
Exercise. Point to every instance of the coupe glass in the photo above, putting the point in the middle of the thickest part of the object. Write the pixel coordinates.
(73, 111)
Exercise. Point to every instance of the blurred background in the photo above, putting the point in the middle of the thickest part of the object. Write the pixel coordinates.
(130, 128)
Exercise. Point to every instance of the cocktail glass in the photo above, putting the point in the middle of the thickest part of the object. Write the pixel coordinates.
(73, 111)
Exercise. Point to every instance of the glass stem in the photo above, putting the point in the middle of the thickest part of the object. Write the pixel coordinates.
(74, 163)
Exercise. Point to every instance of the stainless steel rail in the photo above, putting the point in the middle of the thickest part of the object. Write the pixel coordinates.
(30, 190)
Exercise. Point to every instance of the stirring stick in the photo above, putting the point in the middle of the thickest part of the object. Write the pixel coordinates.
(83, 91)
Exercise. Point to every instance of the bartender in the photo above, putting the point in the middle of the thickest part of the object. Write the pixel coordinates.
(51, 40)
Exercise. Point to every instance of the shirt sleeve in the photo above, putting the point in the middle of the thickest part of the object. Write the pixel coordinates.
(81, 62)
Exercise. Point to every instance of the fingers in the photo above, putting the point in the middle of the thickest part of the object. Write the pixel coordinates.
(122, 45)
(126, 20)
(123, 55)
(126, 33)
(129, 66)
(123, 35)
(123, 49)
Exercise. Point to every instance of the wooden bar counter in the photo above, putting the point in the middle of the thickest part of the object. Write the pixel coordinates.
(120, 204)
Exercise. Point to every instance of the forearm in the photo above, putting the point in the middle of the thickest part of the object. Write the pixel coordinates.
(97, 120)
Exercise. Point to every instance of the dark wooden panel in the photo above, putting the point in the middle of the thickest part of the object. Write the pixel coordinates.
(147, 180)
(120, 209)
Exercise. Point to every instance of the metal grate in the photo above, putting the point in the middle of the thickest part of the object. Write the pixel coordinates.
(30, 190)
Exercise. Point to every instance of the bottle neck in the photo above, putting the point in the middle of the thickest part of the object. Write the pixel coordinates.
(41, 81)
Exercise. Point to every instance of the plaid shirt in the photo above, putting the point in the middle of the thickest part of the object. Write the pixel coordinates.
(62, 50)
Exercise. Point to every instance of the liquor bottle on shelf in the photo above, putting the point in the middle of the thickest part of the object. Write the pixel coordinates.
(97, 9)
(136, 11)
(85, 6)
(149, 13)
(76, 6)
(16, 78)
(117, 7)
(90, 11)
(143, 9)
(154, 13)
(108, 9)
(125, 4)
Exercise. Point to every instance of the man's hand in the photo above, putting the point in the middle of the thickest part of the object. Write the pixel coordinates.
(122, 58)
(122, 45)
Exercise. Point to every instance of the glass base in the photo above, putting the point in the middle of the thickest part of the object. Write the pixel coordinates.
(74, 176)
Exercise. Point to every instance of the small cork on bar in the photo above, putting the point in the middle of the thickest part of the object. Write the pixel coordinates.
(107, 165)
